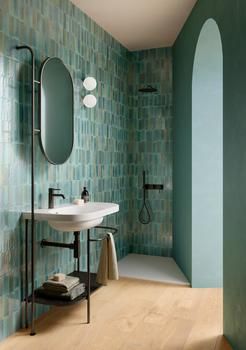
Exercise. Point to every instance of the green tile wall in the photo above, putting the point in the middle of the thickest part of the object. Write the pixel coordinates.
(99, 158)
(123, 128)
(150, 149)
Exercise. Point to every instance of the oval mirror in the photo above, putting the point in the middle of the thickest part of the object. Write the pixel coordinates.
(56, 111)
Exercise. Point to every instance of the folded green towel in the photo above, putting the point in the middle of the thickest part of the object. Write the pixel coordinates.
(71, 295)
(63, 286)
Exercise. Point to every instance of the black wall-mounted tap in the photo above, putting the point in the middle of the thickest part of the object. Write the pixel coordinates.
(144, 214)
(52, 195)
(151, 186)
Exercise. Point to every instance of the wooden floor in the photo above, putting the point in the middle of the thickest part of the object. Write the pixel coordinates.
(132, 315)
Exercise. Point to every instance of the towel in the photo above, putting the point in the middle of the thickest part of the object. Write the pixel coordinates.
(71, 295)
(63, 286)
(108, 266)
(58, 277)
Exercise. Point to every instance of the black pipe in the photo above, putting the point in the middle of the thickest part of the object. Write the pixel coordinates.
(88, 277)
(76, 252)
(26, 274)
(32, 183)
(45, 243)
(75, 246)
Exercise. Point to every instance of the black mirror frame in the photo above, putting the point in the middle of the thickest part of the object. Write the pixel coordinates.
(40, 110)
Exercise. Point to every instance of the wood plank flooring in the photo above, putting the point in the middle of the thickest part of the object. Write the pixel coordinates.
(132, 315)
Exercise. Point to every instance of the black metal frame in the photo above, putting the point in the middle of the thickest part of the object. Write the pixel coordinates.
(47, 60)
(33, 132)
(75, 246)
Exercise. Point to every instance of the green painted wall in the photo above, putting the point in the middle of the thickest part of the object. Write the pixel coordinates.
(207, 159)
(230, 17)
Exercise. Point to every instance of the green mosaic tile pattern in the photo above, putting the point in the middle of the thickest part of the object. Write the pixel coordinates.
(150, 149)
(125, 133)
(99, 158)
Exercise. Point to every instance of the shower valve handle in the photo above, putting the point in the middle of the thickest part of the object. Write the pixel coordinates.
(153, 187)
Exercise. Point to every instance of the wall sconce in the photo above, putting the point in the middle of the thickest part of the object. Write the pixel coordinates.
(89, 101)
(90, 84)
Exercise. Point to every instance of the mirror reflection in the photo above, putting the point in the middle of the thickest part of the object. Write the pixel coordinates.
(56, 111)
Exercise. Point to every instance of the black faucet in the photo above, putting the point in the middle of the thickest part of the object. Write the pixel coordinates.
(52, 195)
(151, 186)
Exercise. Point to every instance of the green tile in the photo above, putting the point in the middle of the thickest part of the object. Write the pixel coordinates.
(113, 142)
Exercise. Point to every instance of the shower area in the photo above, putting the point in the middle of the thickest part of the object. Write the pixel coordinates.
(150, 168)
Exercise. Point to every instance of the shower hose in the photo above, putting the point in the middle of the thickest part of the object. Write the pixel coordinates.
(144, 214)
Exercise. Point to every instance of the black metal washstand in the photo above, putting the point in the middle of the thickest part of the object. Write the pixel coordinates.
(33, 131)
(85, 277)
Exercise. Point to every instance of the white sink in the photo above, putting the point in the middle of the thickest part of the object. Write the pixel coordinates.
(71, 217)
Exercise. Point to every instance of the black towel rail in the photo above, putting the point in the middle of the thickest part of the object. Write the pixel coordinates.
(113, 229)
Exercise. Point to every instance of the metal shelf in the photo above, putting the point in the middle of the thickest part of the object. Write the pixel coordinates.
(59, 302)
(56, 302)
(85, 277)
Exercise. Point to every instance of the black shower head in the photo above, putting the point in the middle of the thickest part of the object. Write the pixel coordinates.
(148, 89)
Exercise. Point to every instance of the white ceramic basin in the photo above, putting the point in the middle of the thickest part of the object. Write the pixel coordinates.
(71, 217)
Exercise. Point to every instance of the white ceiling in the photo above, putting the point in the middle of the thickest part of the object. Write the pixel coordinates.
(139, 24)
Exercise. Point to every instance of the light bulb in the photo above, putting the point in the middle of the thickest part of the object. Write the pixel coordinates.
(90, 101)
(90, 83)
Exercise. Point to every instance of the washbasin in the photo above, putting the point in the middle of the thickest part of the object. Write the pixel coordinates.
(71, 217)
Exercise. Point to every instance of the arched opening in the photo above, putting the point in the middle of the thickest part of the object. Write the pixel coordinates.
(207, 159)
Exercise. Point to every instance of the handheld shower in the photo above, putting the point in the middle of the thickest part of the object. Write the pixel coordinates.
(144, 219)
(144, 214)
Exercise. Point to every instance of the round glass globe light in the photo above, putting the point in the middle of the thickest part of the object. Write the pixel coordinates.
(90, 83)
(90, 101)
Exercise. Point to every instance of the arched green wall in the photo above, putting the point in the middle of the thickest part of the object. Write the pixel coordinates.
(230, 17)
(207, 158)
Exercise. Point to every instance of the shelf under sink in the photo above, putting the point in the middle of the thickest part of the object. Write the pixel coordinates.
(58, 302)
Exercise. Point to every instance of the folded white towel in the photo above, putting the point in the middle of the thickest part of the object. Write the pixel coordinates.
(64, 286)
(108, 266)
